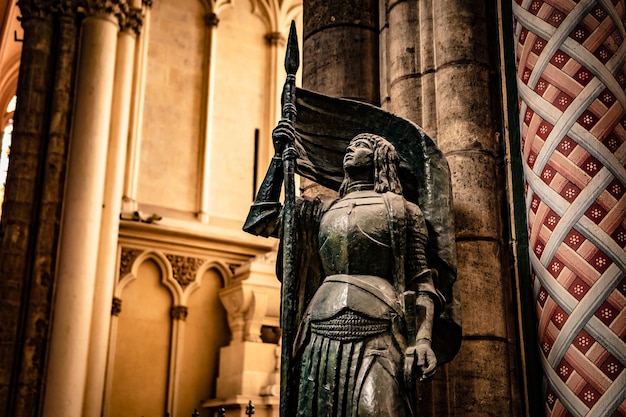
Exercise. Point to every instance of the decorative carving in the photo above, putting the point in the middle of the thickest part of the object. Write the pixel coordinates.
(116, 306)
(132, 20)
(179, 313)
(184, 268)
(127, 259)
(116, 8)
(34, 9)
(64, 8)
(147, 3)
(211, 19)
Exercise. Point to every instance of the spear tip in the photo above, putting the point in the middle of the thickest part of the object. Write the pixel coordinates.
(292, 56)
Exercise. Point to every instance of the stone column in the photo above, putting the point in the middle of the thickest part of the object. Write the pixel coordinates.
(427, 69)
(33, 201)
(107, 254)
(571, 82)
(478, 382)
(19, 216)
(80, 228)
(211, 20)
(340, 55)
(403, 60)
(129, 199)
(341, 49)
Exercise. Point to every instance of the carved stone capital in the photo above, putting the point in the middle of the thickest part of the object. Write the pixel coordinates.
(127, 259)
(34, 9)
(184, 268)
(179, 313)
(111, 8)
(211, 19)
(132, 20)
(275, 38)
(116, 306)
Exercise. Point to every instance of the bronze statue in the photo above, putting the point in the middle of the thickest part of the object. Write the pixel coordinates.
(372, 314)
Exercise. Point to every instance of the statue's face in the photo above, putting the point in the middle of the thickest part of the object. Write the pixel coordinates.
(360, 153)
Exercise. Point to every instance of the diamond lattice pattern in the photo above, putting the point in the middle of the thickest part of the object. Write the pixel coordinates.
(571, 84)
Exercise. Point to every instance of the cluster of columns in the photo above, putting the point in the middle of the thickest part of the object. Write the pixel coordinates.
(436, 68)
(70, 103)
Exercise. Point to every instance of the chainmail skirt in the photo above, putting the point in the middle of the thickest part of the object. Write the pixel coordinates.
(350, 368)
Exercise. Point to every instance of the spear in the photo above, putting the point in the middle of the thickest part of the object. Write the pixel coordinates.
(289, 306)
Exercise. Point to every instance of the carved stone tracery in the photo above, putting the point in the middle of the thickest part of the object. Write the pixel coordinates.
(184, 268)
(127, 259)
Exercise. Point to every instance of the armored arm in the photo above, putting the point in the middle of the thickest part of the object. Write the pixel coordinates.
(419, 278)
(264, 215)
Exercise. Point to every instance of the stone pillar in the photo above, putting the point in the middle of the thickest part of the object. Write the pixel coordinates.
(129, 199)
(478, 382)
(80, 229)
(427, 69)
(107, 254)
(571, 83)
(340, 55)
(34, 195)
(403, 60)
(211, 20)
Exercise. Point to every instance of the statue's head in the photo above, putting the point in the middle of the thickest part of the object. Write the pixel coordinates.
(375, 158)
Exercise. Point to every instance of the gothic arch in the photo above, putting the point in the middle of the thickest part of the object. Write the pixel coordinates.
(277, 14)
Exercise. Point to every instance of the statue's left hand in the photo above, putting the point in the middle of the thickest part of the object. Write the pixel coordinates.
(426, 358)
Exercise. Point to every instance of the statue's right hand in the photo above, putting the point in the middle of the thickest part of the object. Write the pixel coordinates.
(283, 134)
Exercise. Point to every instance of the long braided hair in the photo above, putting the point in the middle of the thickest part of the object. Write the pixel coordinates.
(385, 166)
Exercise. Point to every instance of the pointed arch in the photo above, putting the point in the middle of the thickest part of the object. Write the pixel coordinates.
(277, 14)
(167, 276)
(223, 272)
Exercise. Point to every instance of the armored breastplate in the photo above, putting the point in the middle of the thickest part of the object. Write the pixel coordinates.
(354, 236)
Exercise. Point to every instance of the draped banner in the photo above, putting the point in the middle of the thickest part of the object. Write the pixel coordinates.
(571, 81)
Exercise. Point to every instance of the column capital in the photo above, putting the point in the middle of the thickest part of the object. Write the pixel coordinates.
(131, 20)
(116, 306)
(34, 9)
(211, 20)
(64, 7)
(179, 313)
(275, 38)
(115, 9)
